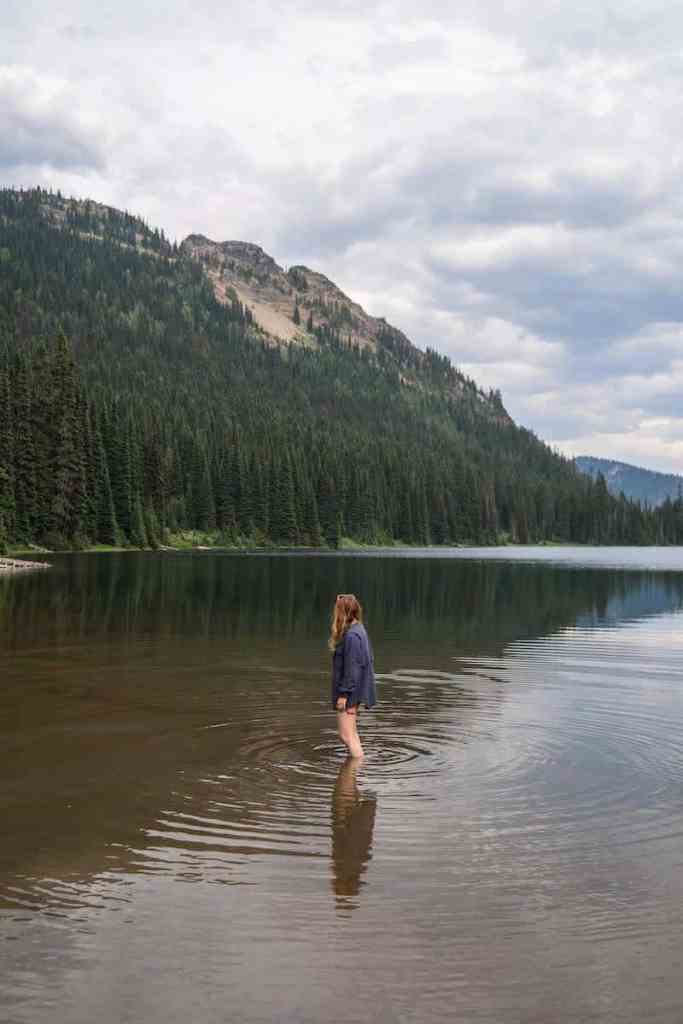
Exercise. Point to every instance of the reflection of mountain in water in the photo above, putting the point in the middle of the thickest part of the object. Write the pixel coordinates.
(646, 595)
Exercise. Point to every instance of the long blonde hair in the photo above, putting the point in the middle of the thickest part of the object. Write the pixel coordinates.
(347, 610)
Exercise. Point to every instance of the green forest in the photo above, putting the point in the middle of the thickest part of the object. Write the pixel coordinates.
(134, 406)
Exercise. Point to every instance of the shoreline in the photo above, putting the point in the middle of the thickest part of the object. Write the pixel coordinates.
(16, 562)
(10, 565)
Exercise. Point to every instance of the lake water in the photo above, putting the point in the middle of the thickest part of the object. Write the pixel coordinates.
(183, 840)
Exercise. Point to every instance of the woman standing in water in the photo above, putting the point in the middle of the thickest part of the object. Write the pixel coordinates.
(353, 679)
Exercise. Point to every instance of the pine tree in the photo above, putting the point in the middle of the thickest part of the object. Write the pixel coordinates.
(90, 472)
(247, 501)
(138, 533)
(151, 524)
(405, 525)
(261, 493)
(63, 456)
(117, 447)
(25, 460)
(310, 522)
(283, 522)
(7, 458)
(154, 473)
(107, 531)
(225, 503)
(204, 507)
(330, 517)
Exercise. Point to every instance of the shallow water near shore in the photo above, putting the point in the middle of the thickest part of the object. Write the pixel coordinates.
(183, 839)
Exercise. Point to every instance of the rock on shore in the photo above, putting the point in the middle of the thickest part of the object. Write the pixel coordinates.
(8, 565)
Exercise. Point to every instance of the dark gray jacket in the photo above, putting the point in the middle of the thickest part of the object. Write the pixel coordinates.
(353, 676)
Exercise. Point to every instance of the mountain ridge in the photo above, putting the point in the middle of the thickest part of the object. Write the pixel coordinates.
(301, 305)
(243, 271)
(636, 482)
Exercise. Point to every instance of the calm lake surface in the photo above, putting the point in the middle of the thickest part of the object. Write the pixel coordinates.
(183, 841)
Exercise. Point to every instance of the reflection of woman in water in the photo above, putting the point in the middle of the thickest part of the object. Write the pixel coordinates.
(353, 820)
(353, 678)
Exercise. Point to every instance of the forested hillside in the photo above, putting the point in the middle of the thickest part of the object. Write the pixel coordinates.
(134, 404)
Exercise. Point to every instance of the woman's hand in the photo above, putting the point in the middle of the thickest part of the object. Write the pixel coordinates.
(341, 704)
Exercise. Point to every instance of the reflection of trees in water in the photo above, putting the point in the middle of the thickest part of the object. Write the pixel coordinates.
(353, 822)
(474, 605)
(113, 740)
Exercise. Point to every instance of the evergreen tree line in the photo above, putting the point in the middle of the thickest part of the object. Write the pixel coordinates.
(134, 405)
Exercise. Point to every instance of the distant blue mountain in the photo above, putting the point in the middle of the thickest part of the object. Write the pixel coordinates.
(643, 485)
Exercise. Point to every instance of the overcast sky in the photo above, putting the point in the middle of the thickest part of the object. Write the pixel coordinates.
(501, 180)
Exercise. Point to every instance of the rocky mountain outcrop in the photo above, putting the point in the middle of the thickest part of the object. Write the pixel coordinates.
(302, 305)
(288, 304)
(244, 271)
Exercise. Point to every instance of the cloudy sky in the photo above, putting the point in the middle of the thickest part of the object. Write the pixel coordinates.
(502, 180)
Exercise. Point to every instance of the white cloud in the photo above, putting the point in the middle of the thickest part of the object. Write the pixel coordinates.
(642, 447)
(41, 123)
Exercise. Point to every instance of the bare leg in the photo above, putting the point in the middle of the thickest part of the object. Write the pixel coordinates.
(348, 732)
